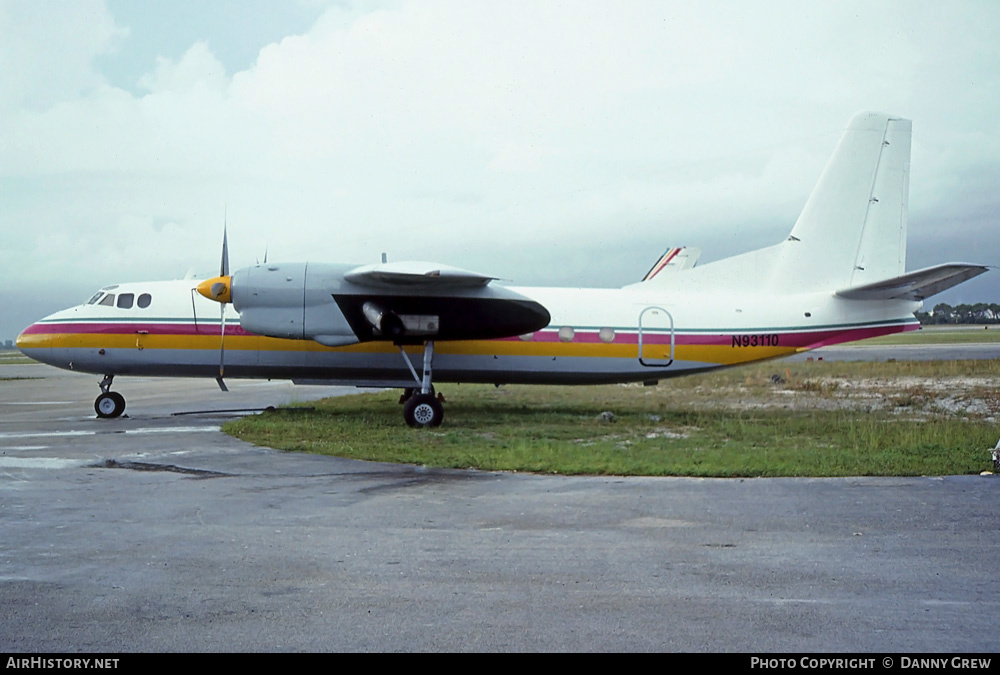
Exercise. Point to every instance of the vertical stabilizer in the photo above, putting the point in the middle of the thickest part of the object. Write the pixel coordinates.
(852, 230)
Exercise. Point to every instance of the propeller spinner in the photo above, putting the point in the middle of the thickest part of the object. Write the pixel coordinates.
(218, 289)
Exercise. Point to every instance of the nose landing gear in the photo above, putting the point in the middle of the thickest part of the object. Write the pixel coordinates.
(110, 403)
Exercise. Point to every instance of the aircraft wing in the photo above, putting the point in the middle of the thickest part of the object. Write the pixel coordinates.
(405, 302)
(415, 276)
(917, 285)
(414, 301)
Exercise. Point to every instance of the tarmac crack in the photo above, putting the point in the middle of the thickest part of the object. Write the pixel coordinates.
(149, 466)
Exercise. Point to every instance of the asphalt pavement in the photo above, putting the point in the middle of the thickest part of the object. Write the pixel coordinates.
(157, 533)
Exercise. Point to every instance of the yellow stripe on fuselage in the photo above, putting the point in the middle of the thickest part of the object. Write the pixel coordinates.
(710, 354)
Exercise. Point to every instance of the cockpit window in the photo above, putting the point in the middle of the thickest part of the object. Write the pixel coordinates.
(144, 300)
(96, 296)
(125, 300)
(108, 300)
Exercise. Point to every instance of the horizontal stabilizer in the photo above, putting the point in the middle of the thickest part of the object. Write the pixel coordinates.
(417, 276)
(917, 285)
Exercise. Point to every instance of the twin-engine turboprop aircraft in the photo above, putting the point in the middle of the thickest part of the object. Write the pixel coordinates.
(839, 276)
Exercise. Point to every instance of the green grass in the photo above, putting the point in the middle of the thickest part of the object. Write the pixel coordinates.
(820, 422)
(938, 335)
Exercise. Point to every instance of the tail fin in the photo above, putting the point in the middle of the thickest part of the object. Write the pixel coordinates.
(852, 230)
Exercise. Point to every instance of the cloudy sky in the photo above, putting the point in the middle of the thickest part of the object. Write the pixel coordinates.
(543, 142)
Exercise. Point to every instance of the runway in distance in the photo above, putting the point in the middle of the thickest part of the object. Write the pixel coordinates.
(839, 276)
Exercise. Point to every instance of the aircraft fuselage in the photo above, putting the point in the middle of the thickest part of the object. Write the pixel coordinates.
(594, 336)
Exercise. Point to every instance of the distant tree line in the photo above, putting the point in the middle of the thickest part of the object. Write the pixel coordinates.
(979, 313)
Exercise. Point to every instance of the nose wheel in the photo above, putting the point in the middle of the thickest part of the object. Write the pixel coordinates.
(110, 403)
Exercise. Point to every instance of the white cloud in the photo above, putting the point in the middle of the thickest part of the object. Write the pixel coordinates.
(197, 69)
(47, 50)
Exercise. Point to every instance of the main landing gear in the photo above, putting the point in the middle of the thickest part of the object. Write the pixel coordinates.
(109, 403)
(422, 408)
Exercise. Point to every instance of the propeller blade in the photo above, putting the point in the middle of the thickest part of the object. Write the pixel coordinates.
(219, 289)
(222, 343)
(224, 266)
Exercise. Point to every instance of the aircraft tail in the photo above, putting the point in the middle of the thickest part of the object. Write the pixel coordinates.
(852, 230)
(851, 235)
(850, 238)
(917, 285)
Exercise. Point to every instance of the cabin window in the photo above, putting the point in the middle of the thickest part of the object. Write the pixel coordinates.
(125, 300)
(566, 334)
(144, 300)
(97, 295)
(606, 334)
(108, 300)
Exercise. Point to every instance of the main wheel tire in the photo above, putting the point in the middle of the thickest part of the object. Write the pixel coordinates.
(410, 392)
(423, 410)
(109, 404)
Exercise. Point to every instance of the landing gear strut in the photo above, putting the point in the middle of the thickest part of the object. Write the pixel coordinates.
(423, 409)
(109, 403)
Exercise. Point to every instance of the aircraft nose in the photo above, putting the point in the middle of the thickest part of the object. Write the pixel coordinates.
(27, 338)
(32, 339)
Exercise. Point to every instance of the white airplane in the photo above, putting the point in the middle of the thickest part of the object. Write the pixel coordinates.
(839, 276)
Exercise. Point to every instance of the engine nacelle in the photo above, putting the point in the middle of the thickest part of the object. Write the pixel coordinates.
(293, 300)
(314, 301)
